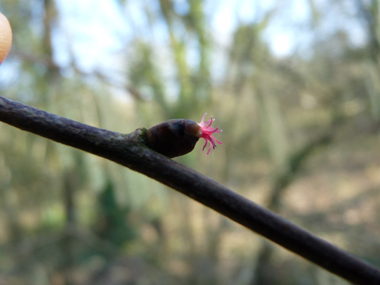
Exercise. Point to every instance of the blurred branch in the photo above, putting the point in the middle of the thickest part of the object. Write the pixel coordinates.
(132, 91)
(295, 163)
(130, 151)
(35, 59)
(49, 63)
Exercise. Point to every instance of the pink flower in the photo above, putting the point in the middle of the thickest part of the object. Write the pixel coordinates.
(207, 133)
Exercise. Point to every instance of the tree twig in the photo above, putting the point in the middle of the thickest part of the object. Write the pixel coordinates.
(129, 150)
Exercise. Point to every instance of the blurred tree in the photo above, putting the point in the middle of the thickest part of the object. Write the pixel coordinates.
(112, 225)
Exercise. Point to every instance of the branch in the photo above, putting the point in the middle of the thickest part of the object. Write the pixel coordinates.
(129, 150)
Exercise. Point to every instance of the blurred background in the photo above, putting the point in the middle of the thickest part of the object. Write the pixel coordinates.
(293, 84)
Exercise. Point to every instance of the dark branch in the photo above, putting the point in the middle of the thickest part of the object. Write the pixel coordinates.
(130, 151)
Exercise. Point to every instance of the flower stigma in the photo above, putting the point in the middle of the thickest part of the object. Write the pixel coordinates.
(207, 133)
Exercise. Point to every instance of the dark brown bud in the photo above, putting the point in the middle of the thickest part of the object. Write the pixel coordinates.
(173, 138)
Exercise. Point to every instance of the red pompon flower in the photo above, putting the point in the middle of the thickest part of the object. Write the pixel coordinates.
(207, 133)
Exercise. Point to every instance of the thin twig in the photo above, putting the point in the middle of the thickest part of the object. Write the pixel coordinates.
(130, 151)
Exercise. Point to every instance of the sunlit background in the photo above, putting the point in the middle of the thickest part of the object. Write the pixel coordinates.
(295, 86)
